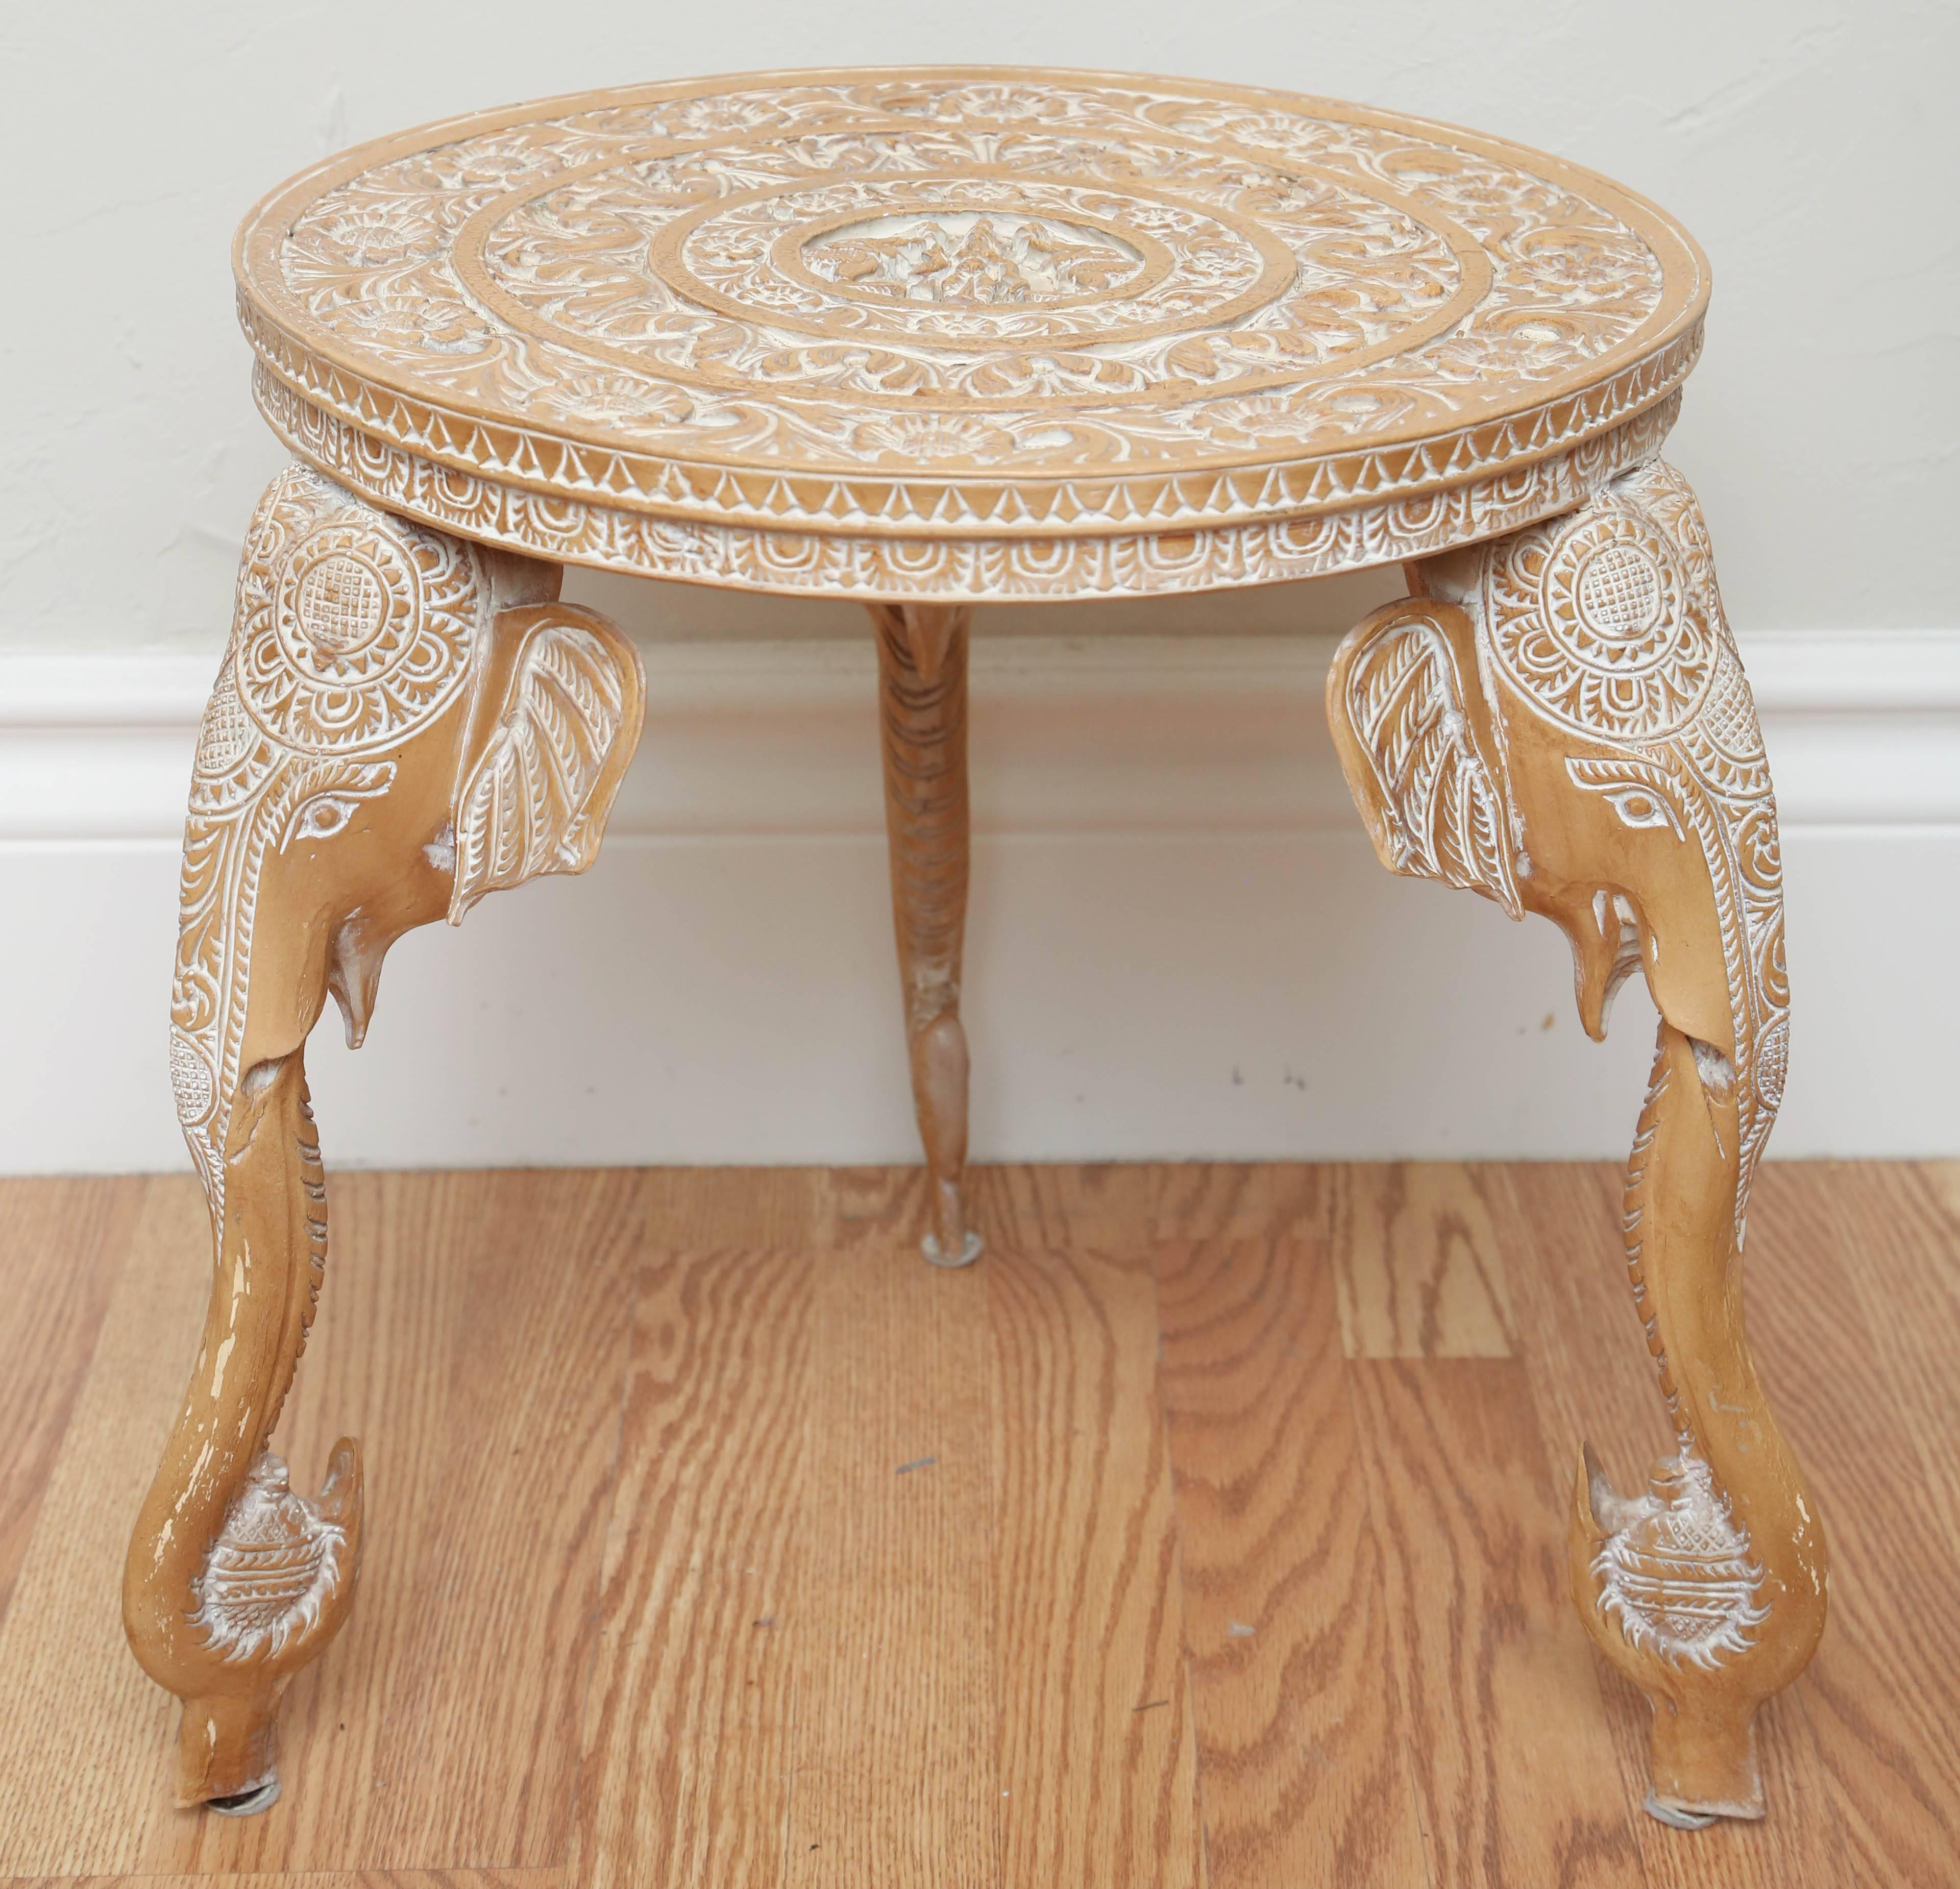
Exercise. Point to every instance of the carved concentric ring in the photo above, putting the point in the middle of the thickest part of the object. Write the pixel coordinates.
(345, 606)
(1614, 586)
(961, 307)
(1616, 641)
(965, 269)
(353, 628)
(987, 265)
(341, 603)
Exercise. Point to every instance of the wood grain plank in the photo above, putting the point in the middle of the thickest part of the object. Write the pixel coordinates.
(1417, 1265)
(896, 1777)
(1038, 1208)
(1912, 1305)
(1379, 1515)
(495, 1380)
(686, 1766)
(1515, 1773)
(963, 1611)
(63, 1244)
(309, 1879)
(1239, 1200)
(80, 1727)
(1097, 1748)
(1304, 1771)
(874, 1209)
(776, 1210)
(1883, 1694)
(471, 1333)
(1592, 1379)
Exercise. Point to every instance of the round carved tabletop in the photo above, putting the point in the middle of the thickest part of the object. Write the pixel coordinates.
(965, 333)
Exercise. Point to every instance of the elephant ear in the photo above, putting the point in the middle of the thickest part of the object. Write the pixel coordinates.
(1415, 741)
(555, 723)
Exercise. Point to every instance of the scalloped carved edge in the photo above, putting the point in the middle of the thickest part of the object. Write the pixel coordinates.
(944, 567)
(899, 500)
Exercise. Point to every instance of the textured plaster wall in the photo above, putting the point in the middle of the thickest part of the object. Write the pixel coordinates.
(1809, 144)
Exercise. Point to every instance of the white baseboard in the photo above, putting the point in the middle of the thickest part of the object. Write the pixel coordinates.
(1180, 944)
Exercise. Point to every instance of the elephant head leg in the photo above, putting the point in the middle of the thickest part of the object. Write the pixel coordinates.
(1559, 721)
(402, 723)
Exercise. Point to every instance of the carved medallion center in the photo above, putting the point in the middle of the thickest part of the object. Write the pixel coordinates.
(352, 630)
(1620, 594)
(1602, 626)
(976, 258)
(342, 603)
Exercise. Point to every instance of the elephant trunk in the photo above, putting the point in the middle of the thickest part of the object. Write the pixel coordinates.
(233, 1582)
(1676, 1584)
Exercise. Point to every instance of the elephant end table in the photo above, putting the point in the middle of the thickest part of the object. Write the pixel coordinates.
(930, 339)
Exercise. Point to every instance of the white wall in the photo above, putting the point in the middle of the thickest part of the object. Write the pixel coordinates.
(723, 992)
(1809, 144)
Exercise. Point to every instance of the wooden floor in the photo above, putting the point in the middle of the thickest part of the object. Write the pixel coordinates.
(1209, 1532)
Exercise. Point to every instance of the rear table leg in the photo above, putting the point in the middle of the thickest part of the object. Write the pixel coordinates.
(922, 717)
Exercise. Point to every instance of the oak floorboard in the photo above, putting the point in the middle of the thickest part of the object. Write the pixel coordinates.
(471, 1333)
(894, 1773)
(1421, 1273)
(1302, 1750)
(1911, 1304)
(309, 1879)
(1097, 1756)
(686, 1767)
(778, 1210)
(63, 1244)
(1237, 1199)
(1882, 1695)
(1376, 1518)
(495, 1379)
(1033, 1208)
(1515, 1776)
(873, 1210)
(82, 1732)
(893, 1567)
(1418, 1266)
(1592, 1380)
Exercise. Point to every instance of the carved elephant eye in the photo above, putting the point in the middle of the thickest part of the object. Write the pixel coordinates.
(1639, 793)
(1636, 808)
(322, 817)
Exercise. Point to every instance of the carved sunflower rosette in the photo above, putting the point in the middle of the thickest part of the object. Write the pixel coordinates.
(1609, 626)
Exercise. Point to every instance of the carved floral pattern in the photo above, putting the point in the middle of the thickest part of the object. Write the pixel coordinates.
(277, 1563)
(347, 636)
(1676, 1573)
(972, 257)
(1643, 656)
(369, 656)
(1605, 625)
(1621, 673)
(1081, 293)
(351, 629)
(1148, 558)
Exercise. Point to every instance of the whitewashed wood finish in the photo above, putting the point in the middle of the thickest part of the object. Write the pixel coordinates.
(1559, 720)
(929, 338)
(1250, 335)
(402, 723)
